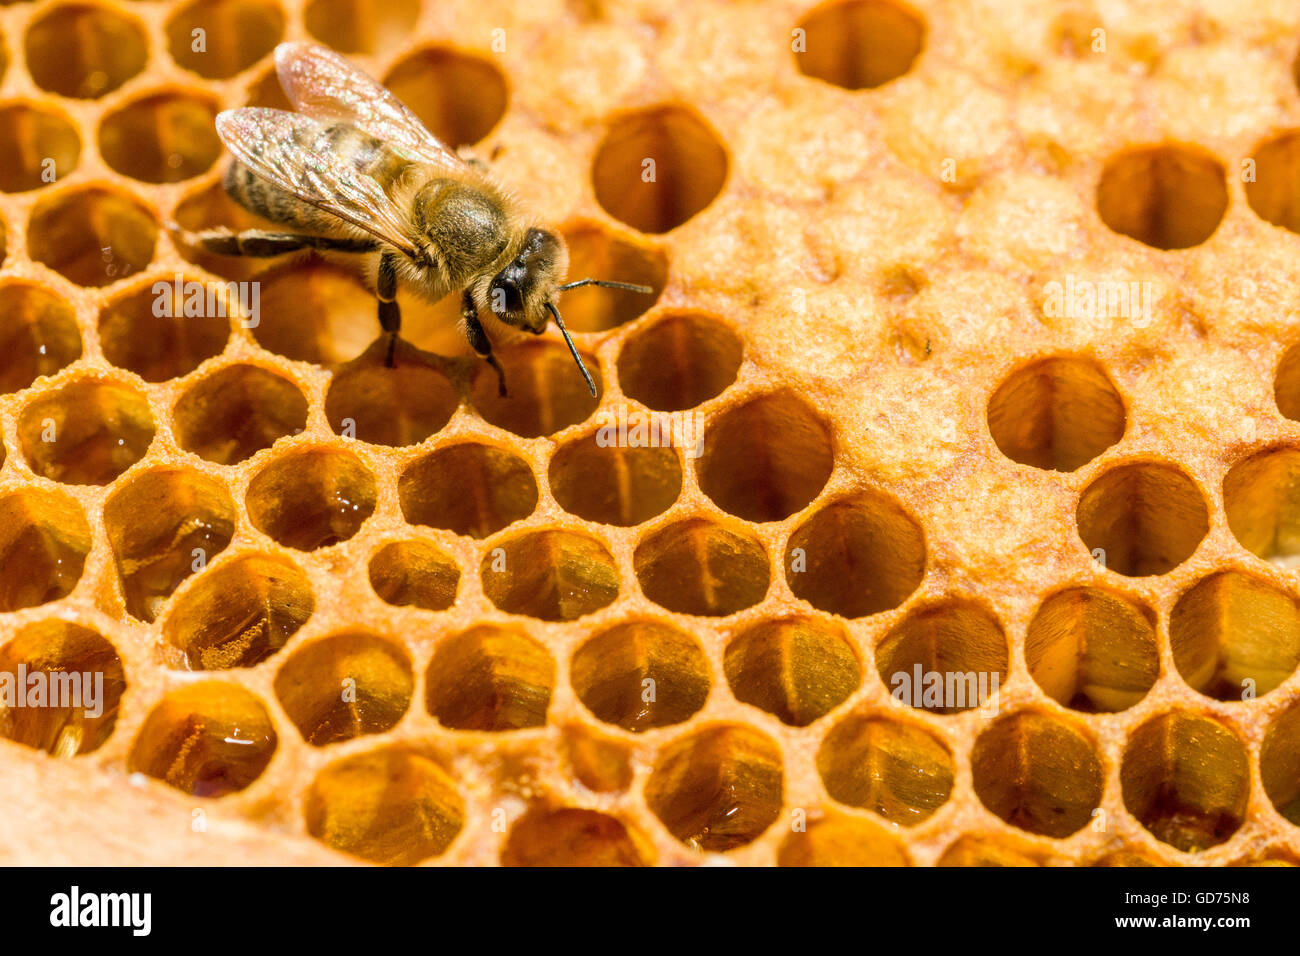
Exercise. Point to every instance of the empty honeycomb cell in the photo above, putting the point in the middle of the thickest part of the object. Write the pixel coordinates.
(569, 836)
(193, 327)
(1286, 385)
(311, 499)
(551, 575)
(1235, 636)
(613, 483)
(699, 567)
(894, 768)
(459, 97)
(72, 706)
(238, 614)
(1057, 413)
(640, 675)
(597, 253)
(1279, 763)
(164, 526)
(598, 763)
(797, 668)
(1093, 649)
(946, 658)
(345, 686)
(546, 390)
(469, 488)
(402, 405)
(362, 26)
(92, 236)
(219, 38)
(162, 137)
(388, 806)
(656, 168)
(1142, 518)
(415, 574)
(38, 145)
(971, 850)
(84, 50)
(1186, 778)
(1037, 773)
(680, 361)
(1272, 192)
(856, 556)
(490, 678)
(1261, 496)
(1170, 196)
(766, 459)
(234, 413)
(44, 540)
(717, 788)
(841, 840)
(38, 334)
(207, 739)
(859, 44)
(86, 432)
(316, 312)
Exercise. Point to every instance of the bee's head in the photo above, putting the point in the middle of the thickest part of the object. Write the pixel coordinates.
(518, 294)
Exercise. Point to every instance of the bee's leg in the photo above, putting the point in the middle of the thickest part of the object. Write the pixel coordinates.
(261, 244)
(478, 339)
(390, 314)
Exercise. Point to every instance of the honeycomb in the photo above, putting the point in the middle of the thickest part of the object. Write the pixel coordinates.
(971, 351)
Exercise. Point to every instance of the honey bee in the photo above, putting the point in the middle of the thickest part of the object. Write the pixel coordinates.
(354, 171)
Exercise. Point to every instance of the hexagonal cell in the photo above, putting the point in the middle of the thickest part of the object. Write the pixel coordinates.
(894, 768)
(600, 764)
(859, 44)
(1056, 413)
(1272, 191)
(219, 38)
(234, 413)
(598, 253)
(657, 168)
(1279, 763)
(315, 311)
(44, 540)
(945, 658)
(72, 706)
(459, 97)
(1093, 649)
(1170, 196)
(640, 675)
(569, 836)
(311, 499)
(490, 678)
(92, 236)
(84, 50)
(158, 347)
(162, 137)
(416, 574)
(841, 840)
(38, 334)
(164, 526)
(856, 556)
(470, 489)
(547, 392)
(797, 668)
(1261, 496)
(86, 432)
(402, 405)
(1037, 773)
(699, 567)
(362, 26)
(1144, 518)
(207, 739)
(388, 806)
(550, 575)
(1235, 636)
(679, 361)
(237, 614)
(1286, 385)
(345, 686)
(612, 484)
(1186, 778)
(717, 788)
(766, 459)
(977, 851)
(38, 145)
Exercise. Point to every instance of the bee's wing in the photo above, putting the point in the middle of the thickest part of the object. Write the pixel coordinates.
(293, 152)
(326, 86)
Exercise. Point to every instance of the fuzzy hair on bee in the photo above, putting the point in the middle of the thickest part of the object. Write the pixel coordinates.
(353, 171)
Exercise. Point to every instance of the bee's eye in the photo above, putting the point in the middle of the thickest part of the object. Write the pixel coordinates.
(505, 295)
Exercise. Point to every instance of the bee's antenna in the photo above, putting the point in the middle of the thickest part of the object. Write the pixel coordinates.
(606, 284)
(572, 348)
